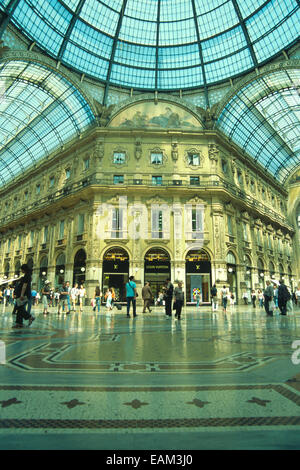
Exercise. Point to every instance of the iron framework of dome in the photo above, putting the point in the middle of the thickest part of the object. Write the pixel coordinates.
(158, 44)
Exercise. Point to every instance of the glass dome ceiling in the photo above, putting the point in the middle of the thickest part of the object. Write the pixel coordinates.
(263, 118)
(158, 44)
(39, 112)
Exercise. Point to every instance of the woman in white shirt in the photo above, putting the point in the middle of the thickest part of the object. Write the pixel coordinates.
(74, 295)
(82, 294)
(108, 297)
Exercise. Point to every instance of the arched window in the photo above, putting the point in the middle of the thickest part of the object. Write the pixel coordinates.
(230, 258)
(79, 267)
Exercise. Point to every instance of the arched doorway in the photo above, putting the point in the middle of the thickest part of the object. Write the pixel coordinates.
(198, 276)
(231, 273)
(116, 272)
(17, 268)
(281, 271)
(43, 272)
(272, 270)
(6, 271)
(60, 270)
(157, 268)
(79, 267)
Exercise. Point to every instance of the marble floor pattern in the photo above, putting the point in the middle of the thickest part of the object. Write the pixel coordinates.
(103, 381)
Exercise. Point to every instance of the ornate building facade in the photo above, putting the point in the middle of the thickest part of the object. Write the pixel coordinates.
(151, 191)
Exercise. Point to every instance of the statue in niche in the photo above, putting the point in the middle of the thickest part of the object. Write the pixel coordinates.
(174, 152)
(98, 150)
(213, 152)
(103, 112)
(208, 116)
(138, 149)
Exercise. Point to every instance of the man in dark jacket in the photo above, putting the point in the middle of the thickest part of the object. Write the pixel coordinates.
(168, 296)
(147, 296)
(22, 294)
(283, 297)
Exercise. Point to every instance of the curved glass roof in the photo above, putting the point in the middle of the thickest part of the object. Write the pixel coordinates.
(263, 118)
(159, 44)
(39, 111)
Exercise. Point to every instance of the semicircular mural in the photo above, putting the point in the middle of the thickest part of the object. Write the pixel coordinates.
(161, 115)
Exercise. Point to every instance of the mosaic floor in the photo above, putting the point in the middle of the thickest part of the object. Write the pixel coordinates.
(98, 381)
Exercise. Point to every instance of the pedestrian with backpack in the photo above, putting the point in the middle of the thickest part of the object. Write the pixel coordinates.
(214, 298)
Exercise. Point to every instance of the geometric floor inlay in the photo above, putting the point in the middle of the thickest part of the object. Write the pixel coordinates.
(97, 373)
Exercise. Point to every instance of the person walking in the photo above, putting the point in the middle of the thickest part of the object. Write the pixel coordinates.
(109, 299)
(224, 298)
(113, 297)
(253, 298)
(82, 295)
(268, 297)
(74, 296)
(63, 296)
(131, 295)
(214, 298)
(178, 300)
(56, 297)
(245, 297)
(198, 298)
(260, 298)
(22, 294)
(147, 297)
(283, 297)
(98, 296)
(46, 298)
(168, 295)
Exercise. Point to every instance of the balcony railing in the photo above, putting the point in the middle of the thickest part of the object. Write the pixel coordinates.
(209, 181)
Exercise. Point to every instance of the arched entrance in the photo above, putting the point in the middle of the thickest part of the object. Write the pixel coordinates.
(60, 270)
(43, 272)
(79, 267)
(231, 273)
(281, 271)
(157, 268)
(198, 276)
(116, 272)
(261, 274)
(17, 268)
(272, 270)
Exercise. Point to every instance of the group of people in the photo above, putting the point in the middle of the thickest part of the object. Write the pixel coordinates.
(271, 298)
(68, 298)
(168, 295)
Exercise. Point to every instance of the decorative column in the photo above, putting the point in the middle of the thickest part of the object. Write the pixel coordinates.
(219, 265)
